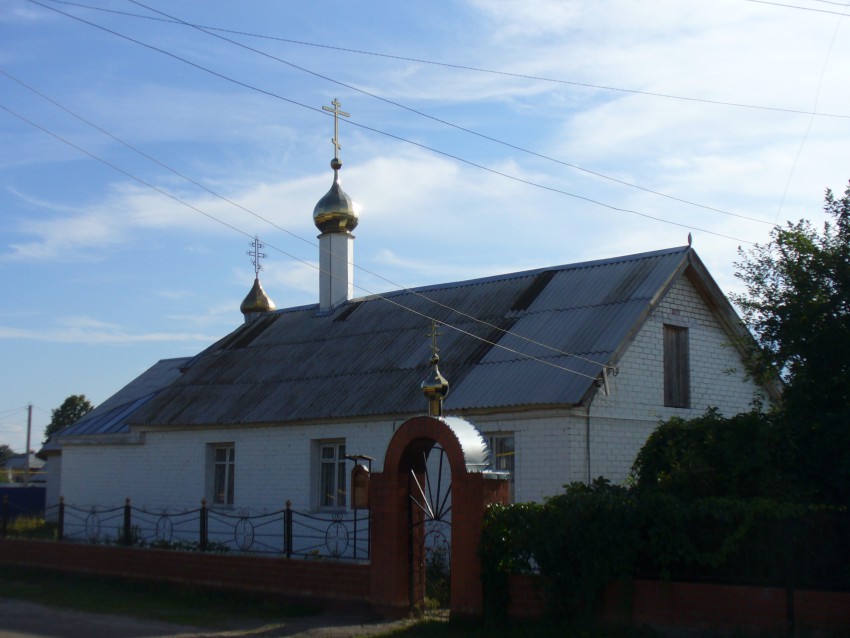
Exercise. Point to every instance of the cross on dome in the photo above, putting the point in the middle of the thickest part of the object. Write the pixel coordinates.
(256, 255)
(434, 333)
(335, 110)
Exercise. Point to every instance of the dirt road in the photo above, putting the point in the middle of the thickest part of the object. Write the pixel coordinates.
(20, 619)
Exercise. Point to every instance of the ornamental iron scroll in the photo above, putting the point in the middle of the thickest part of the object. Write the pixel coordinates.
(92, 527)
(243, 534)
(164, 529)
(336, 539)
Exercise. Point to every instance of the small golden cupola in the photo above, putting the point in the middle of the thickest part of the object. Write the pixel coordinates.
(335, 215)
(435, 387)
(256, 302)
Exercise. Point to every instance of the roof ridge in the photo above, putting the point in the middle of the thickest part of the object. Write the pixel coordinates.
(523, 273)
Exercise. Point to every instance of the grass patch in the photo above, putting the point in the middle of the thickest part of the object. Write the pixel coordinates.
(156, 601)
(27, 526)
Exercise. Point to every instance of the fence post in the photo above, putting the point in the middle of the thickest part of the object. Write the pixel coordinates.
(203, 526)
(790, 568)
(5, 515)
(287, 529)
(128, 540)
(60, 532)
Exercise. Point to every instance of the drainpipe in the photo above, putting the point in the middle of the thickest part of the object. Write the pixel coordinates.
(587, 442)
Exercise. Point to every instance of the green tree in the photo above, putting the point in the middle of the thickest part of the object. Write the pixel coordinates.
(5, 452)
(72, 410)
(797, 304)
(742, 457)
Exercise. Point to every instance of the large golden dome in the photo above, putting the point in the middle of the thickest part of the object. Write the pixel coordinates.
(335, 212)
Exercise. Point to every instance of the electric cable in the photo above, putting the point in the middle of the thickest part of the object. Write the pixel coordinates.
(291, 256)
(397, 137)
(281, 228)
(793, 6)
(446, 122)
(811, 119)
(463, 67)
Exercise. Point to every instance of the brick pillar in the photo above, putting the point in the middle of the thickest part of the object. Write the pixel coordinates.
(470, 498)
(389, 578)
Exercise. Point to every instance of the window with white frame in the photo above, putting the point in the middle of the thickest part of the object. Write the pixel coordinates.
(502, 455)
(332, 474)
(223, 470)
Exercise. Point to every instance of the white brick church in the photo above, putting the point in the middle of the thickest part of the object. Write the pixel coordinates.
(564, 370)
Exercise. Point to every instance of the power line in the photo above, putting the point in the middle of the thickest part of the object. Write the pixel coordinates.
(840, 4)
(793, 6)
(11, 411)
(291, 256)
(273, 224)
(811, 119)
(173, 20)
(447, 123)
(396, 137)
(463, 67)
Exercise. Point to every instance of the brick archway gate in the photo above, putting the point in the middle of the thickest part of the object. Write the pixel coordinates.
(396, 584)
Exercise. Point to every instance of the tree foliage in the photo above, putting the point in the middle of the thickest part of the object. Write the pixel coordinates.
(5, 452)
(742, 457)
(797, 302)
(579, 541)
(72, 410)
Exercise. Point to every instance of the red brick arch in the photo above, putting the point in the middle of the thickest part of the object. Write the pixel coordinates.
(472, 491)
(420, 434)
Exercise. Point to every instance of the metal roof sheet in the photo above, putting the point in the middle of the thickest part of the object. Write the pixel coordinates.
(111, 416)
(369, 355)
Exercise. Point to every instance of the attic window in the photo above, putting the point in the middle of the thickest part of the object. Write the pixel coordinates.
(677, 384)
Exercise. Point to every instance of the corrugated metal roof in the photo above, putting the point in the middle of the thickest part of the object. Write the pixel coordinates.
(369, 355)
(111, 416)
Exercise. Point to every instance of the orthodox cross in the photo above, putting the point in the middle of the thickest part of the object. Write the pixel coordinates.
(434, 333)
(335, 110)
(256, 255)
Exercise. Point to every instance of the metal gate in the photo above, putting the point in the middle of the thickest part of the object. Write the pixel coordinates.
(430, 534)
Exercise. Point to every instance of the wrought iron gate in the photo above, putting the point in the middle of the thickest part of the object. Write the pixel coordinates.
(429, 520)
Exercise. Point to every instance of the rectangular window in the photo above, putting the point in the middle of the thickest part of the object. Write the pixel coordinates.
(224, 464)
(677, 385)
(332, 474)
(502, 455)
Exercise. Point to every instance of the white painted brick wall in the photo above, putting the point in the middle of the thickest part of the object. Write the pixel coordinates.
(170, 470)
(621, 423)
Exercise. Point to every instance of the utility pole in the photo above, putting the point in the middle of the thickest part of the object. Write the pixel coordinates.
(27, 450)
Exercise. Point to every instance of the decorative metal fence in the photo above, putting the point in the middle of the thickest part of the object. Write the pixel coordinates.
(342, 535)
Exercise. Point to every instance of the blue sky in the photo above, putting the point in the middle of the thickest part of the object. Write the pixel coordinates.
(103, 274)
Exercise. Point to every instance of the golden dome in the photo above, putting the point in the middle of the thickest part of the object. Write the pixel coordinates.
(256, 300)
(335, 211)
(435, 387)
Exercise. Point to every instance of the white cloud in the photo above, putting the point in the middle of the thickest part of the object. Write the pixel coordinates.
(89, 331)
